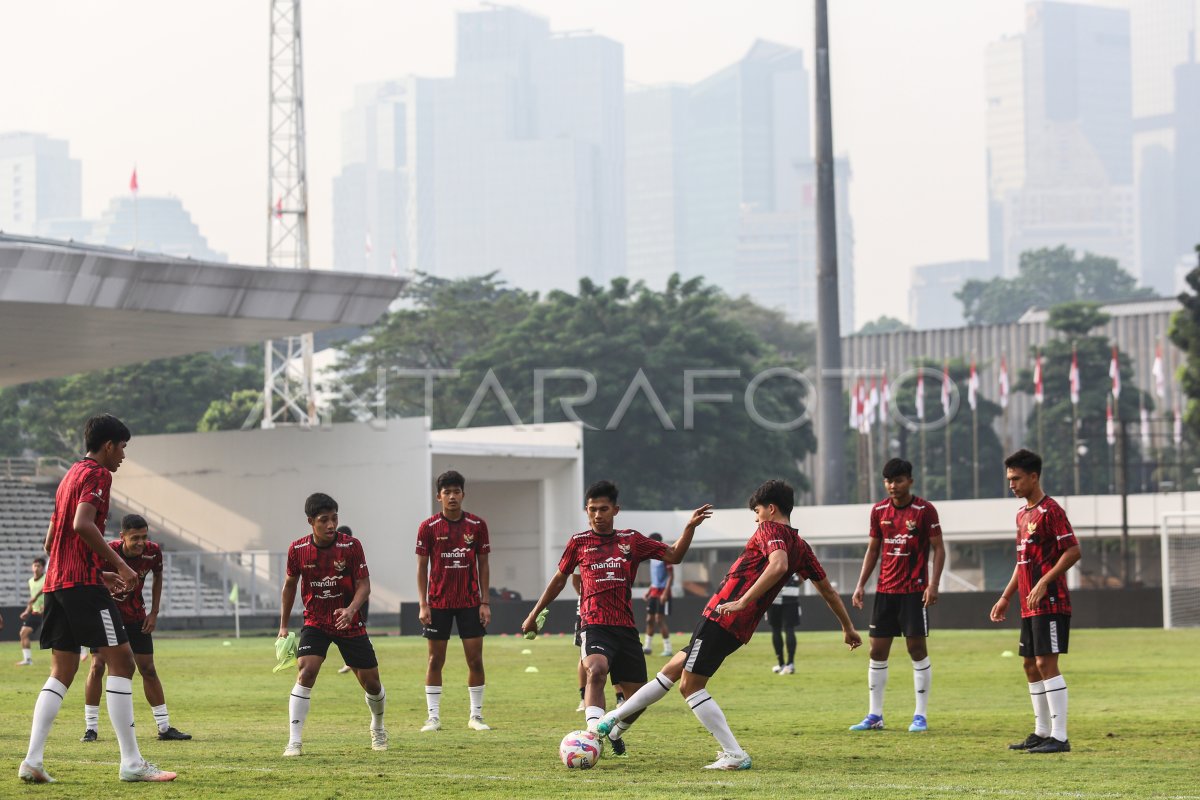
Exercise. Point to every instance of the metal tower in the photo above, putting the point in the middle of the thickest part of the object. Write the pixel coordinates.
(288, 396)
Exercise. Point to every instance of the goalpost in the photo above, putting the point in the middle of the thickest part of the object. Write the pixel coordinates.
(1180, 534)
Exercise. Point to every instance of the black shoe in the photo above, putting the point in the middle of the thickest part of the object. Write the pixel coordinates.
(89, 736)
(618, 747)
(171, 734)
(1031, 741)
(1051, 745)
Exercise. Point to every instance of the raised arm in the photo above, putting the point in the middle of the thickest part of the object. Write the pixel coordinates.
(679, 548)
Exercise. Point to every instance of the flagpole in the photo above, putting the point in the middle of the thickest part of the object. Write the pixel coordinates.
(1075, 445)
(946, 414)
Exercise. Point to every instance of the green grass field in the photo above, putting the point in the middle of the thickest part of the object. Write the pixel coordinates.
(1135, 706)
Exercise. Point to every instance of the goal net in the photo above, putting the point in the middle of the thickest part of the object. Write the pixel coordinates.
(1181, 569)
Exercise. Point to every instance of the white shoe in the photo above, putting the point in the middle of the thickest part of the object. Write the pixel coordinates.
(788, 669)
(667, 652)
(32, 774)
(146, 771)
(647, 649)
(729, 761)
(26, 662)
(431, 724)
(379, 739)
(344, 669)
(777, 669)
(581, 707)
(477, 724)
(293, 749)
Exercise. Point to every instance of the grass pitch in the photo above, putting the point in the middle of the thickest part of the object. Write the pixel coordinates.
(1134, 726)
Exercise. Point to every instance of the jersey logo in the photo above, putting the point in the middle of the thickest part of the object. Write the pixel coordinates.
(1031, 527)
(624, 548)
(910, 524)
(339, 566)
(885, 522)
(469, 538)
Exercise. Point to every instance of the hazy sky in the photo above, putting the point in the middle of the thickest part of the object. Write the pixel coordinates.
(180, 88)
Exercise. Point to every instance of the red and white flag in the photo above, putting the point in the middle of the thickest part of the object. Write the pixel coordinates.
(1039, 393)
(864, 408)
(1160, 375)
(945, 391)
(133, 184)
(885, 401)
(1110, 430)
(1003, 382)
(1114, 372)
(873, 403)
(921, 396)
(1074, 377)
(855, 422)
(973, 387)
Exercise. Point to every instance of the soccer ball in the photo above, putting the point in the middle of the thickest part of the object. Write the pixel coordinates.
(580, 749)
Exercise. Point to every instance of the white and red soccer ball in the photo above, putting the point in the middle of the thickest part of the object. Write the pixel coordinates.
(580, 749)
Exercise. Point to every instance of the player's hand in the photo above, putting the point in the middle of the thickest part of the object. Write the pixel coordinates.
(1036, 595)
(342, 618)
(485, 614)
(128, 577)
(530, 623)
(151, 623)
(283, 632)
(853, 639)
(731, 607)
(998, 610)
(856, 599)
(113, 582)
(25, 614)
(931, 595)
(700, 514)
(425, 615)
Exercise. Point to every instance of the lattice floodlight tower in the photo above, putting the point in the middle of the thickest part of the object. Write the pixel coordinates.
(288, 392)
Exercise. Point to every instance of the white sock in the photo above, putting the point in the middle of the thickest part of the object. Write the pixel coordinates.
(118, 693)
(433, 700)
(377, 703)
(593, 714)
(646, 696)
(619, 730)
(161, 718)
(649, 638)
(922, 681)
(712, 717)
(476, 693)
(27, 654)
(1056, 698)
(49, 701)
(298, 711)
(877, 675)
(91, 718)
(1041, 709)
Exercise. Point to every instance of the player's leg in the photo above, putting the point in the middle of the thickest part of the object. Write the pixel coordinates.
(311, 650)
(359, 653)
(92, 690)
(885, 625)
(650, 615)
(63, 665)
(664, 628)
(710, 646)
(437, 635)
(1051, 633)
(472, 632)
(596, 666)
(790, 618)
(775, 620)
(26, 636)
(582, 672)
(918, 651)
(142, 645)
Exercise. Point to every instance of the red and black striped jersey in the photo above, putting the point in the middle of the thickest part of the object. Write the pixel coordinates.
(453, 547)
(1043, 534)
(328, 576)
(132, 604)
(750, 565)
(72, 562)
(608, 566)
(905, 533)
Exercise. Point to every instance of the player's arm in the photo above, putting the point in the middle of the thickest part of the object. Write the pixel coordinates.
(935, 578)
(868, 566)
(1067, 560)
(28, 612)
(999, 610)
(577, 583)
(675, 553)
(553, 588)
(423, 590)
(155, 599)
(485, 607)
(85, 528)
(286, 600)
(776, 569)
(834, 601)
(344, 616)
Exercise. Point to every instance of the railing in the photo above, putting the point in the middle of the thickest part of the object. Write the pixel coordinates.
(198, 584)
(18, 467)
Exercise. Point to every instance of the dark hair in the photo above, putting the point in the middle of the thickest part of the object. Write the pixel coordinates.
(102, 429)
(896, 468)
(133, 522)
(39, 560)
(316, 503)
(1026, 461)
(777, 493)
(656, 537)
(606, 489)
(345, 529)
(451, 478)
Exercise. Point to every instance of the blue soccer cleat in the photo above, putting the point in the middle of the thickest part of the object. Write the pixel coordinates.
(872, 722)
(919, 724)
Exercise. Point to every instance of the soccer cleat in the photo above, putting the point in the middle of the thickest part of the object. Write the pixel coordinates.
(146, 771)
(581, 707)
(606, 724)
(431, 724)
(1031, 741)
(730, 761)
(647, 649)
(173, 735)
(293, 749)
(89, 736)
(919, 724)
(778, 668)
(476, 723)
(344, 669)
(28, 662)
(618, 748)
(667, 651)
(788, 669)
(871, 722)
(1051, 745)
(32, 774)
(379, 739)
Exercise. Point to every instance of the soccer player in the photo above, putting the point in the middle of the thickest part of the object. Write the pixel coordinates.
(331, 571)
(80, 610)
(658, 598)
(770, 557)
(608, 561)
(903, 530)
(784, 615)
(1046, 549)
(363, 611)
(452, 584)
(145, 558)
(31, 617)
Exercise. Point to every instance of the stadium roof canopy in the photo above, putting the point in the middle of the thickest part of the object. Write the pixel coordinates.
(68, 308)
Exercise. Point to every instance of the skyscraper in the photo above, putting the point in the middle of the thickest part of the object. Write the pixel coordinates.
(39, 182)
(152, 225)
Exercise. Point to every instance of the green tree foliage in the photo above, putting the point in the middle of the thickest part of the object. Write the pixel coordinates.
(795, 340)
(231, 414)
(884, 324)
(1045, 278)
(1185, 333)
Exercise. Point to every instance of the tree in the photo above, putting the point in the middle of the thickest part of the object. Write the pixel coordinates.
(1185, 334)
(1047, 278)
(231, 414)
(794, 340)
(884, 324)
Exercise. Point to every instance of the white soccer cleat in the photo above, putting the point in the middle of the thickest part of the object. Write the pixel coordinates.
(788, 669)
(379, 739)
(293, 749)
(730, 761)
(477, 724)
(32, 774)
(146, 771)
(778, 668)
(667, 651)
(25, 662)
(647, 649)
(344, 669)
(431, 724)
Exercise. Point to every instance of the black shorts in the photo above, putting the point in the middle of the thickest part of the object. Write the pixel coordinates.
(621, 646)
(142, 644)
(1045, 634)
(81, 616)
(899, 615)
(441, 619)
(710, 645)
(783, 615)
(657, 602)
(34, 623)
(357, 651)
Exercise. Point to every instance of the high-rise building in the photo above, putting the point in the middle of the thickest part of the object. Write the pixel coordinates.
(39, 182)
(1059, 135)
(154, 225)
(931, 300)
(655, 211)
